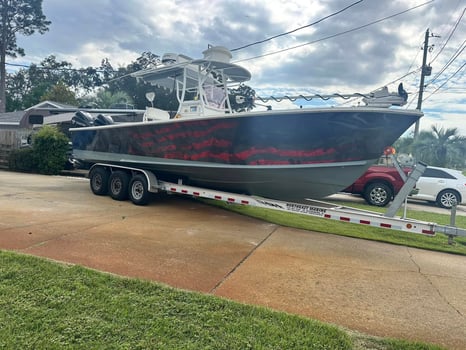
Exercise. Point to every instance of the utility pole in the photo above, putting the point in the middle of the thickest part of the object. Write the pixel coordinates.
(425, 71)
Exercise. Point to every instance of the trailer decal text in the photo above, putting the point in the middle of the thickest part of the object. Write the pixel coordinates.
(305, 209)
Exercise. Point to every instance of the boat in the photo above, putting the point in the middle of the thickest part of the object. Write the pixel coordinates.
(292, 154)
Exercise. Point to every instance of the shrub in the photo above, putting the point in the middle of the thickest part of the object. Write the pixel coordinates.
(50, 147)
(23, 160)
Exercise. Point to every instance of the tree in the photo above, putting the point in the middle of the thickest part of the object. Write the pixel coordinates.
(137, 89)
(23, 17)
(107, 99)
(60, 93)
(441, 147)
(404, 145)
(27, 86)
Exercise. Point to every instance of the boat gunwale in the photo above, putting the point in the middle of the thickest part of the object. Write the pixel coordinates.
(255, 114)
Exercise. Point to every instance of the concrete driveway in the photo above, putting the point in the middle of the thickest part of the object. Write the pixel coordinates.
(375, 288)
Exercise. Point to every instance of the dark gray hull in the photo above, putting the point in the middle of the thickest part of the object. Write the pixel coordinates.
(293, 183)
(289, 155)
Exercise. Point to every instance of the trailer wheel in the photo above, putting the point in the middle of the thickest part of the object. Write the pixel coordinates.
(138, 191)
(118, 185)
(99, 180)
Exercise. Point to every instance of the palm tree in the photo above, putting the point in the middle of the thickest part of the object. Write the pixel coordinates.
(441, 147)
(106, 99)
(404, 145)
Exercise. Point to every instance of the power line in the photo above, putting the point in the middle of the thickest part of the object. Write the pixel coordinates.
(451, 60)
(404, 76)
(17, 65)
(414, 60)
(57, 68)
(450, 35)
(446, 81)
(335, 35)
(295, 30)
(457, 53)
(272, 53)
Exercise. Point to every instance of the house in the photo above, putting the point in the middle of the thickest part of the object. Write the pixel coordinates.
(16, 127)
(10, 120)
(18, 119)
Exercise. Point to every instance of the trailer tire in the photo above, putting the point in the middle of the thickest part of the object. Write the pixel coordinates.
(138, 190)
(99, 180)
(118, 185)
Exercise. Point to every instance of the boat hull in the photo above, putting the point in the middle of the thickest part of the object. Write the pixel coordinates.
(285, 155)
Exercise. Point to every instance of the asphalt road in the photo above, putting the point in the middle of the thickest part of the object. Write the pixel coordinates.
(370, 287)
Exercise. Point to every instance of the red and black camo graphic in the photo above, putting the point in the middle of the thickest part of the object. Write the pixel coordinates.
(220, 141)
(304, 138)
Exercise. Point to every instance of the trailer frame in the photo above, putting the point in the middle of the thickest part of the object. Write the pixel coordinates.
(140, 183)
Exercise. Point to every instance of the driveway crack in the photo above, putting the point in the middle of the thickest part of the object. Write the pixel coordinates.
(242, 261)
(427, 278)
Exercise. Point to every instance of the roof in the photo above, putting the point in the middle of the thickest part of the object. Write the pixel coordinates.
(50, 104)
(49, 112)
(11, 117)
(14, 118)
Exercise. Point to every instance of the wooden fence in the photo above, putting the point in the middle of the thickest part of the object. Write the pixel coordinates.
(11, 139)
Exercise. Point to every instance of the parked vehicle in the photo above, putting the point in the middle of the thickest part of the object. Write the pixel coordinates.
(441, 186)
(379, 184)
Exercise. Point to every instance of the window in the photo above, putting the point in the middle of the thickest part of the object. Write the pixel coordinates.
(429, 172)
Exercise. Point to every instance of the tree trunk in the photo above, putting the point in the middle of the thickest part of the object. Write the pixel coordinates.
(2, 82)
(3, 48)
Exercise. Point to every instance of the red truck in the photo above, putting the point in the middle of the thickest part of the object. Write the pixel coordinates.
(379, 184)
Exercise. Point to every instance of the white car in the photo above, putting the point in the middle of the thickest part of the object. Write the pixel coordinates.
(442, 186)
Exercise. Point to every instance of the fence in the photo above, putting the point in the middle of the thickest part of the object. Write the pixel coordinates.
(9, 141)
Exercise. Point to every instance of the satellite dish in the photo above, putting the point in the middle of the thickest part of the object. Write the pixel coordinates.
(150, 97)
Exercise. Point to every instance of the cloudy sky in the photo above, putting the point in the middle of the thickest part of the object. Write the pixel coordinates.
(370, 44)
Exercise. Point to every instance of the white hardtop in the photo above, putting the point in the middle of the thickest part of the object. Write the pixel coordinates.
(201, 84)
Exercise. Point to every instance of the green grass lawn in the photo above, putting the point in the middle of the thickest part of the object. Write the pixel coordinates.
(47, 305)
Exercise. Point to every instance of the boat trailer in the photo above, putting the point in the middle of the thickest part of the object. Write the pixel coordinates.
(121, 182)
